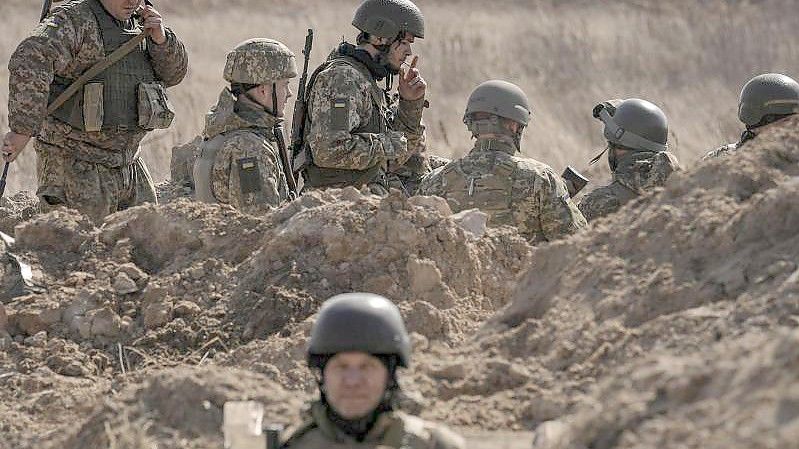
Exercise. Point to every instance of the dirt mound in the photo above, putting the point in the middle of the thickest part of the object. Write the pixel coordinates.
(179, 407)
(712, 257)
(187, 283)
(665, 325)
(740, 392)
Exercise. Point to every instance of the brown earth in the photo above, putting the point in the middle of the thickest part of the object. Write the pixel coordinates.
(671, 324)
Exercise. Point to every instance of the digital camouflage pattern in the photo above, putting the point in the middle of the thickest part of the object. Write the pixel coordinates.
(636, 173)
(392, 430)
(246, 130)
(96, 190)
(67, 44)
(342, 107)
(512, 190)
(747, 135)
(259, 61)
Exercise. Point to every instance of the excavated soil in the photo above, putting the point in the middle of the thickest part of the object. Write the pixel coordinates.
(672, 324)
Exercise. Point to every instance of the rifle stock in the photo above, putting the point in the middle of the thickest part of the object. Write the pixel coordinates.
(300, 106)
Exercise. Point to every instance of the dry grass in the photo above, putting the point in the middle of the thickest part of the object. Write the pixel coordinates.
(689, 57)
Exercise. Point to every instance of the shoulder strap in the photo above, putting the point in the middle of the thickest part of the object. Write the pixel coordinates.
(95, 70)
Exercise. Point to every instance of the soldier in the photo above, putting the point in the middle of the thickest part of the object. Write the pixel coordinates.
(354, 132)
(88, 149)
(512, 190)
(239, 163)
(764, 100)
(637, 133)
(358, 342)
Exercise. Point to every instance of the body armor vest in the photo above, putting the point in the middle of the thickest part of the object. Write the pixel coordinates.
(482, 180)
(116, 89)
(316, 176)
(204, 166)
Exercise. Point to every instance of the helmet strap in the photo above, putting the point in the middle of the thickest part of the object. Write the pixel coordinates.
(274, 100)
(599, 156)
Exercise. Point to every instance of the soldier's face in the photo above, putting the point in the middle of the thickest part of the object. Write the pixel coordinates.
(354, 383)
(122, 9)
(400, 51)
(283, 90)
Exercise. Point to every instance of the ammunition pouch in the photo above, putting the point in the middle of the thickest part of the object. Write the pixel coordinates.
(125, 96)
(155, 110)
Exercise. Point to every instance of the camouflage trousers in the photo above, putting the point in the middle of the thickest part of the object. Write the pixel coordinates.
(94, 189)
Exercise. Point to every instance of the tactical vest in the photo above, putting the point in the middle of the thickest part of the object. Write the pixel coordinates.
(403, 432)
(316, 176)
(482, 180)
(204, 166)
(117, 88)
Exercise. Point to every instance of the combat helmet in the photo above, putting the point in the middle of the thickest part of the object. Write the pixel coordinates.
(259, 61)
(361, 322)
(770, 94)
(389, 18)
(634, 124)
(500, 98)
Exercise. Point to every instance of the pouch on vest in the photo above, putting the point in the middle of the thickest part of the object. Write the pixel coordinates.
(93, 111)
(155, 110)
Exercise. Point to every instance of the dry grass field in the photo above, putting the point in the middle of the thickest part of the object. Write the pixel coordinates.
(688, 56)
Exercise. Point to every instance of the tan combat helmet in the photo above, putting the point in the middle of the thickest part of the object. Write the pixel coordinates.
(362, 322)
(389, 18)
(766, 97)
(259, 61)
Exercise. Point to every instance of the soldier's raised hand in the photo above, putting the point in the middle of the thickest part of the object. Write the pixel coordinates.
(411, 84)
(152, 22)
(13, 144)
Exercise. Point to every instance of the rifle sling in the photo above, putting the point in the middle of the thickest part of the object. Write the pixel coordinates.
(95, 70)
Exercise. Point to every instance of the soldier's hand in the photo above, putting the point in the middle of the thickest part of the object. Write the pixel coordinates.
(153, 23)
(13, 144)
(412, 86)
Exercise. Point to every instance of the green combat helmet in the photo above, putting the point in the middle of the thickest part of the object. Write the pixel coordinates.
(500, 99)
(766, 97)
(389, 18)
(634, 124)
(259, 61)
(361, 322)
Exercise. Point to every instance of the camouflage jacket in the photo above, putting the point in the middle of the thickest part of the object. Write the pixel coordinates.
(67, 44)
(636, 173)
(247, 172)
(512, 190)
(341, 132)
(392, 430)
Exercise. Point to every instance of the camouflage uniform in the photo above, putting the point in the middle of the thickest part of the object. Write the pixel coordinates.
(392, 430)
(636, 173)
(355, 129)
(99, 172)
(514, 191)
(732, 148)
(243, 134)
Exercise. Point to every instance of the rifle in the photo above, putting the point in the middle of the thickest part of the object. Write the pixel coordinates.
(286, 161)
(3, 179)
(300, 106)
